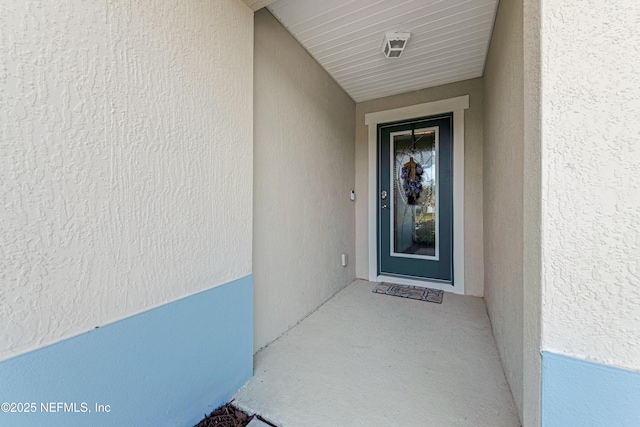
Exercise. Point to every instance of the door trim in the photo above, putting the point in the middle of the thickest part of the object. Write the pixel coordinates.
(457, 106)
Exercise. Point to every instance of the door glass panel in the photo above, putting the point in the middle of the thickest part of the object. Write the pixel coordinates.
(414, 223)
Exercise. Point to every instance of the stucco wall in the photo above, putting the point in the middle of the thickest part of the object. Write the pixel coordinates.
(125, 159)
(532, 292)
(503, 190)
(590, 180)
(473, 269)
(304, 157)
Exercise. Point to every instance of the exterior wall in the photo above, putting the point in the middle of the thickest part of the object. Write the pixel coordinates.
(503, 190)
(473, 269)
(532, 292)
(304, 157)
(581, 393)
(125, 162)
(591, 186)
(166, 366)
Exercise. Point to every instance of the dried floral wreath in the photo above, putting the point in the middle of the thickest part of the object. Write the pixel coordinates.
(412, 182)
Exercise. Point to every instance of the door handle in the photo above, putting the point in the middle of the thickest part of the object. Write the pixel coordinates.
(384, 207)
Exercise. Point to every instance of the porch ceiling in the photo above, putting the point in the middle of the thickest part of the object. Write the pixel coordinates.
(257, 4)
(449, 41)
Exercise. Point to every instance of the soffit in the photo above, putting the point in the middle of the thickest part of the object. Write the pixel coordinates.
(449, 41)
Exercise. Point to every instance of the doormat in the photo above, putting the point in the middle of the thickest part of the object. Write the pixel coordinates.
(412, 292)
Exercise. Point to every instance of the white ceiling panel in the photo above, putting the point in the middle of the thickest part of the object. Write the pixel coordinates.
(449, 41)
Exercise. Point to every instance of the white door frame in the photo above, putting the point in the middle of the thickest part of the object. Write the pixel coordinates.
(457, 106)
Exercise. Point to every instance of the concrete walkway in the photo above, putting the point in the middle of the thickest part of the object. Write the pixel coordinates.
(366, 359)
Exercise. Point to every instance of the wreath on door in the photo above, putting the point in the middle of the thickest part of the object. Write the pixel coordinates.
(411, 175)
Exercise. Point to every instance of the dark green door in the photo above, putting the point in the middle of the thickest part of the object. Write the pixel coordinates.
(415, 198)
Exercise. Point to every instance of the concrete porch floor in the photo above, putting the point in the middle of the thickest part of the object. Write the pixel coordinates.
(365, 359)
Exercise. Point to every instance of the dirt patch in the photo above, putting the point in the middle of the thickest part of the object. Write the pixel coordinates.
(226, 416)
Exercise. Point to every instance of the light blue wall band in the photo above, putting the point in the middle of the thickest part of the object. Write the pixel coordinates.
(164, 367)
(580, 393)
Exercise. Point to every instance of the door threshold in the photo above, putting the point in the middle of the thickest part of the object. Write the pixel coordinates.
(414, 281)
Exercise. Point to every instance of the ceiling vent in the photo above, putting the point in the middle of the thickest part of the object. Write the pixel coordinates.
(394, 44)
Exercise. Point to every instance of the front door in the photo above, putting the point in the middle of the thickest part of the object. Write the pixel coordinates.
(415, 198)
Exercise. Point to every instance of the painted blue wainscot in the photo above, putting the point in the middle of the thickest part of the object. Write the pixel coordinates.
(580, 393)
(164, 367)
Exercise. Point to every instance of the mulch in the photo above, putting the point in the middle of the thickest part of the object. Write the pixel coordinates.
(225, 416)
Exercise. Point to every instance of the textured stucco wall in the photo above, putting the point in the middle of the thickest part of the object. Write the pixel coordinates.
(473, 269)
(304, 159)
(503, 190)
(590, 180)
(125, 159)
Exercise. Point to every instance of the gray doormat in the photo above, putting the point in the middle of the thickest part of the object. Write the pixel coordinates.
(412, 292)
